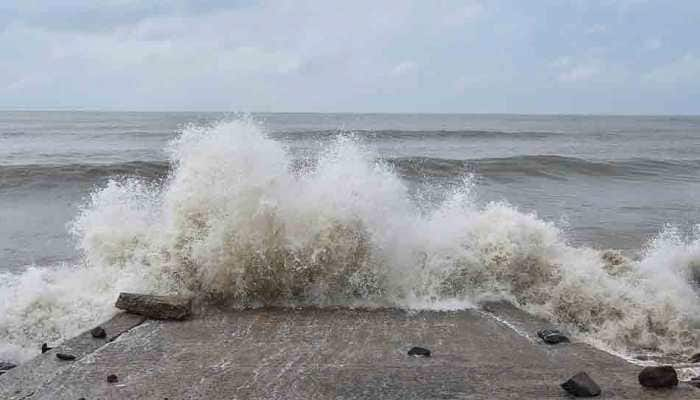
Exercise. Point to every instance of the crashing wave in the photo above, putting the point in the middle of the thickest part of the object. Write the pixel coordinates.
(237, 223)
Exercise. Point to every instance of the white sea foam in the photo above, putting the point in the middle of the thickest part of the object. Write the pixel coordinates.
(236, 223)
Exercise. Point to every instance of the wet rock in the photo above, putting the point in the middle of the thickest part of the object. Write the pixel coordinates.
(552, 336)
(65, 357)
(98, 333)
(695, 358)
(419, 352)
(658, 377)
(581, 385)
(45, 347)
(6, 366)
(112, 378)
(156, 307)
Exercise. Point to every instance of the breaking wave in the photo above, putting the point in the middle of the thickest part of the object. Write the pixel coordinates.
(237, 223)
(50, 175)
(548, 166)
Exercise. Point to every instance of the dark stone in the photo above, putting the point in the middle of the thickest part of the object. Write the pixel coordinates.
(156, 307)
(65, 357)
(45, 347)
(98, 333)
(555, 338)
(112, 378)
(658, 377)
(695, 358)
(552, 336)
(419, 352)
(581, 385)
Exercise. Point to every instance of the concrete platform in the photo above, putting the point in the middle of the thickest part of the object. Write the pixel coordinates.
(325, 354)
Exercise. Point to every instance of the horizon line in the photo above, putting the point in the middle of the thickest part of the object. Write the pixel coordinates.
(212, 111)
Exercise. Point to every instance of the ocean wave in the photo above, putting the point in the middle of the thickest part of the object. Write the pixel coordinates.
(387, 134)
(548, 166)
(545, 166)
(55, 174)
(236, 224)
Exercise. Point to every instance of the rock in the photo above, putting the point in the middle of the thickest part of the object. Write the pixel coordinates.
(658, 377)
(156, 307)
(581, 385)
(112, 378)
(419, 352)
(98, 333)
(65, 357)
(6, 366)
(555, 338)
(695, 358)
(552, 336)
(45, 347)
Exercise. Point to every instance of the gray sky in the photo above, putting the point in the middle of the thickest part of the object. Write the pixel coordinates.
(540, 56)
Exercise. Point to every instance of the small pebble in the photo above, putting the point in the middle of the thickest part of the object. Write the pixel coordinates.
(65, 357)
(98, 333)
(112, 378)
(419, 352)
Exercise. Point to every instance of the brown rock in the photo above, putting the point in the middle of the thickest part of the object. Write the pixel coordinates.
(156, 307)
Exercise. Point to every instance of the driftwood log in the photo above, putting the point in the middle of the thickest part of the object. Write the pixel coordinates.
(156, 307)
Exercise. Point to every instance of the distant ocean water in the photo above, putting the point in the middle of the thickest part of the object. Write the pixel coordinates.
(404, 209)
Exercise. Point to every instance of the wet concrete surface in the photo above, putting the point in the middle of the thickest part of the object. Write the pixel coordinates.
(326, 354)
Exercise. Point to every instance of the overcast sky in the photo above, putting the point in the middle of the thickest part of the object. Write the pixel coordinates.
(545, 56)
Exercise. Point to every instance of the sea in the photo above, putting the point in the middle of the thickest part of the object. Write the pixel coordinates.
(592, 222)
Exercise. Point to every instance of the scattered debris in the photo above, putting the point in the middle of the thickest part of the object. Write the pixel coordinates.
(45, 347)
(658, 377)
(419, 352)
(156, 307)
(112, 378)
(581, 385)
(65, 357)
(98, 333)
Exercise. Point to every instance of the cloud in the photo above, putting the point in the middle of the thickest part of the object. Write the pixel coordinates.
(404, 68)
(305, 55)
(579, 73)
(683, 71)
